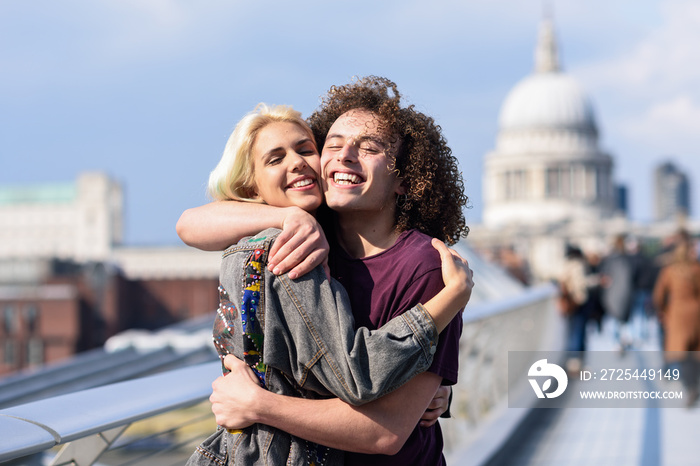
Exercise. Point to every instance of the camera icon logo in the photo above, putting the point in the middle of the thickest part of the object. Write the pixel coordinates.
(542, 369)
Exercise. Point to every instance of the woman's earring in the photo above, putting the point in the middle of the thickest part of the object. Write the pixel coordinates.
(401, 200)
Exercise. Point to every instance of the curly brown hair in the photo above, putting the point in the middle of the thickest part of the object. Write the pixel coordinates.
(434, 188)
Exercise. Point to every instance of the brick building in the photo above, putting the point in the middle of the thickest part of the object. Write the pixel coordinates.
(75, 307)
(66, 282)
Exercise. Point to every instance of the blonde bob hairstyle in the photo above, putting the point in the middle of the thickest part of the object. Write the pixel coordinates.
(233, 178)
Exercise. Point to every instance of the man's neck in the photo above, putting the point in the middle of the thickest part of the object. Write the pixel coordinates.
(363, 235)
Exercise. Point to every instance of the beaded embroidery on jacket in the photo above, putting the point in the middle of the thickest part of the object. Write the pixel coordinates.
(252, 320)
(250, 305)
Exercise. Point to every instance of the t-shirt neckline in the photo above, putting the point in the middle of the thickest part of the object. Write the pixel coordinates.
(346, 256)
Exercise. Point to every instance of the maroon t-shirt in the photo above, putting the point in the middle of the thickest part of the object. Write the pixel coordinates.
(387, 285)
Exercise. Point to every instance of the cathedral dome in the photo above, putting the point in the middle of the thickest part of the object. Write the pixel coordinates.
(547, 167)
(547, 100)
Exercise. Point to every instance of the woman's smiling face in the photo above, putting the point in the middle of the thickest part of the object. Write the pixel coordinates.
(286, 167)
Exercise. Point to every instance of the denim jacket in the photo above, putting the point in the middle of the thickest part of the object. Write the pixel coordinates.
(298, 337)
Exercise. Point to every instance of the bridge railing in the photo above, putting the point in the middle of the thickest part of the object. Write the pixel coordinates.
(88, 422)
(481, 420)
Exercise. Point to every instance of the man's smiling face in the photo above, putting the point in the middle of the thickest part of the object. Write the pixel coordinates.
(356, 165)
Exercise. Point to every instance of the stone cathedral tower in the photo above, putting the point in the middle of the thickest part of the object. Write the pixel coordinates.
(547, 168)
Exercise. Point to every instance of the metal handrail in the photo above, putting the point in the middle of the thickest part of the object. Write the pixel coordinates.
(481, 420)
(528, 296)
(35, 427)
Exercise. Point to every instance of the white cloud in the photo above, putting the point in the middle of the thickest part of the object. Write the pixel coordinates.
(74, 40)
(677, 119)
(650, 94)
(134, 26)
(664, 60)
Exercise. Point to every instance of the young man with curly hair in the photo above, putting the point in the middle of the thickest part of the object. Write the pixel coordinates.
(391, 183)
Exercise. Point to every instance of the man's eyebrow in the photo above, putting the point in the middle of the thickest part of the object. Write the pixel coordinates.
(360, 138)
(374, 139)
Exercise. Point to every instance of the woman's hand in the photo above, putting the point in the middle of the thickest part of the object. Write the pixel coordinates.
(235, 395)
(300, 247)
(439, 404)
(456, 274)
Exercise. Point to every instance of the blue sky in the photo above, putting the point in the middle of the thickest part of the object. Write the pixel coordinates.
(149, 90)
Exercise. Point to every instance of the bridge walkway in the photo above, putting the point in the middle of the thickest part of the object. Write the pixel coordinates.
(649, 436)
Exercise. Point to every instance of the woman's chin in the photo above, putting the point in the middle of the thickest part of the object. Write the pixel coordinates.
(308, 203)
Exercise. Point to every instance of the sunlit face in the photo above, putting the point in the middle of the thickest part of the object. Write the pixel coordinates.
(286, 165)
(355, 165)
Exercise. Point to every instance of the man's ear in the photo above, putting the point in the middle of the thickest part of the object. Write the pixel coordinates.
(401, 189)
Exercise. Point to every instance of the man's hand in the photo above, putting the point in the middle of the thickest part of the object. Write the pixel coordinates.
(440, 404)
(234, 395)
(300, 247)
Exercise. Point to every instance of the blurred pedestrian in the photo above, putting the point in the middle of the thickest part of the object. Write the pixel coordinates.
(573, 300)
(663, 258)
(616, 278)
(515, 264)
(677, 299)
(644, 273)
(597, 310)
